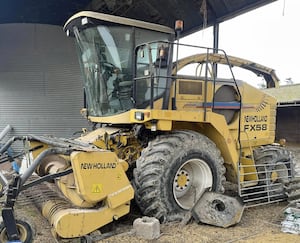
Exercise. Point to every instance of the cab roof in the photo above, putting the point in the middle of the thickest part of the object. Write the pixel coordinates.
(78, 19)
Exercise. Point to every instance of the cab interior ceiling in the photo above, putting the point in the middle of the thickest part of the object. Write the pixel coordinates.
(196, 14)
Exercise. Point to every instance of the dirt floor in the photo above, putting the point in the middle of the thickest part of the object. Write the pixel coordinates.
(261, 224)
(258, 224)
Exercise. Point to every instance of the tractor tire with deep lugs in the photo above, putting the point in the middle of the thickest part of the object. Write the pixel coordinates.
(174, 171)
(275, 166)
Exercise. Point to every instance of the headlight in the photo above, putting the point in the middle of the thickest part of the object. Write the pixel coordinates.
(138, 115)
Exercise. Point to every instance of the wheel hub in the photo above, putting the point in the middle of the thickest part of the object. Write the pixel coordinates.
(274, 176)
(182, 180)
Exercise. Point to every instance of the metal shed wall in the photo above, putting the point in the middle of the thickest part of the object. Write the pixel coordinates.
(288, 123)
(40, 81)
(288, 111)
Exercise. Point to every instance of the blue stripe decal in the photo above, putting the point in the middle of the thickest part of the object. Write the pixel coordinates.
(223, 105)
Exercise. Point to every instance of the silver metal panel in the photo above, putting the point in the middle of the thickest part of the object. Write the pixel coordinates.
(40, 82)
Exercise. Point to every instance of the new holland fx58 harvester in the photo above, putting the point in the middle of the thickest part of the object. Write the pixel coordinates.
(165, 131)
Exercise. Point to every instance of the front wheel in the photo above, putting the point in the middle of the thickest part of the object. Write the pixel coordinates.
(24, 229)
(174, 171)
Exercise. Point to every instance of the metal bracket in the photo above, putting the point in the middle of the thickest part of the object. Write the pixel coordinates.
(8, 211)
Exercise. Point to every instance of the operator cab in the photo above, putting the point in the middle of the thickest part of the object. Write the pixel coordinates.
(111, 65)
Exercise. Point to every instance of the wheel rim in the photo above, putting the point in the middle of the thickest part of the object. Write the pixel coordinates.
(190, 182)
(22, 233)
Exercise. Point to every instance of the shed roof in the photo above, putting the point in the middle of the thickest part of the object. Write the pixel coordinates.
(196, 14)
(286, 95)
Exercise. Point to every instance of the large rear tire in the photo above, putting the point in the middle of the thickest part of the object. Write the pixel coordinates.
(174, 171)
(275, 168)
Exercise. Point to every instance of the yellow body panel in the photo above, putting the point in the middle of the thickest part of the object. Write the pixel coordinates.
(70, 223)
(252, 126)
(99, 175)
(249, 170)
(98, 187)
(258, 117)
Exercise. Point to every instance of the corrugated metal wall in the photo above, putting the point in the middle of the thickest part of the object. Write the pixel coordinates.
(40, 82)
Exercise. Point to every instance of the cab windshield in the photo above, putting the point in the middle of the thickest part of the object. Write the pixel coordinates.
(105, 55)
(106, 59)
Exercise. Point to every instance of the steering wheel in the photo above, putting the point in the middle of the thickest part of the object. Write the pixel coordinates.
(110, 67)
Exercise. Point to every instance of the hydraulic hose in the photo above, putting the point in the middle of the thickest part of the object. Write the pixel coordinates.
(27, 173)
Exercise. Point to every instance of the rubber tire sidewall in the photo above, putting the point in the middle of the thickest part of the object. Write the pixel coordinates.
(175, 165)
(157, 199)
(26, 226)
